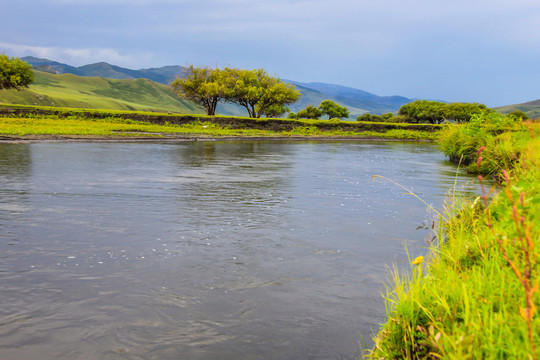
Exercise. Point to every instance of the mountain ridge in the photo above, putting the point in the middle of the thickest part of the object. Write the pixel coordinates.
(356, 100)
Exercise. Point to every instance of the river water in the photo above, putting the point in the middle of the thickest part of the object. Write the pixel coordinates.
(207, 250)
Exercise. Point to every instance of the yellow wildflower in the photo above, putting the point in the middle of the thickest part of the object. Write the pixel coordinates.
(418, 260)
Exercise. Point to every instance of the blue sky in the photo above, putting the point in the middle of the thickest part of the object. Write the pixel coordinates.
(460, 50)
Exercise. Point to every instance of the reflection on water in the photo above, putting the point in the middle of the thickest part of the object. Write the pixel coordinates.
(214, 250)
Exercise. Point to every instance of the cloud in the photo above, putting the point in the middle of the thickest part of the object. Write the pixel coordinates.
(73, 56)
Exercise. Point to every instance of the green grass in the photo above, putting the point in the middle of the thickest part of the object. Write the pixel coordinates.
(114, 127)
(107, 127)
(68, 121)
(67, 90)
(501, 138)
(476, 295)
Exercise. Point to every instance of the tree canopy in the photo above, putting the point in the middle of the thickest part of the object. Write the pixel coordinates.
(260, 93)
(333, 110)
(15, 73)
(204, 86)
(309, 112)
(435, 112)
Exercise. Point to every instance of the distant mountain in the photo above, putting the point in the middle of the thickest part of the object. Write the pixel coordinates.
(164, 75)
(357, 101)
(531, 108)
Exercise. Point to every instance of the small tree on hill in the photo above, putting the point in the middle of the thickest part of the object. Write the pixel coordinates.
(518, 114)
(14, 73)
(310, 112)
(333, 110)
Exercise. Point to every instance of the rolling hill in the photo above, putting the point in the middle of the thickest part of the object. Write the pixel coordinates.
(68, 90)
(531, 108)
(357, 101)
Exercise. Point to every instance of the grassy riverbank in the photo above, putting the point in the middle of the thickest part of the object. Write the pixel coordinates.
(475, 296)
(25, 121)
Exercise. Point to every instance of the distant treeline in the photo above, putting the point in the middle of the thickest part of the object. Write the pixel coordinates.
(435, 112)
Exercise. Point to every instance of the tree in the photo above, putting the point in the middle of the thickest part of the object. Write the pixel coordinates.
(518, 114)
(333, 110)
(310, 112)
(435, 112)
(204, 86)
(275, 111)
(15, 73)
(462, 112)
(259, 92)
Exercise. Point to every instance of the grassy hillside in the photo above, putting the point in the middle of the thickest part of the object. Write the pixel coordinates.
(357, 101)
(68, 90)
(531, 108)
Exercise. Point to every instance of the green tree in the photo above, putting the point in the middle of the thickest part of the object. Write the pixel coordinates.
(14, 73)
(462, 112)
(260, 93)
(292, 115)
(204, 86)
(310, 112)
(276, 110)
(435, 112)
(333, 110)
(424, 111)
(518, 114)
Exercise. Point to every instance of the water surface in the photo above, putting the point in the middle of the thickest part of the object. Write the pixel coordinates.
(206, 250)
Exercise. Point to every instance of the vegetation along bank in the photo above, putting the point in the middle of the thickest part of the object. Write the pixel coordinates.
(476, 295)
(26, 121)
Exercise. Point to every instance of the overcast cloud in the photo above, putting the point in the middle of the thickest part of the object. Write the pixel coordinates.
(475, 50)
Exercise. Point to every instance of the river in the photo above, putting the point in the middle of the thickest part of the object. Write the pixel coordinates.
(207, 250)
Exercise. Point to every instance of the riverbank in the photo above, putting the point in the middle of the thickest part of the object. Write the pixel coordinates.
(20, 122)
(475, 296)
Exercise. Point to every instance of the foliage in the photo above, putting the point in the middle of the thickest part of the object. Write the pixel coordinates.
(478, 295)
(502, 138)
(14, 73)
(276, 110)
(436, 112)
(53, 121)
(388, 117)
(260, 93)
(309, 112)
(204, 86)
(518, 114)
(333, 110)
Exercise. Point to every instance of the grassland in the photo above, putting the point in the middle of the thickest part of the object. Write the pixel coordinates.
(31, 122)
(67, 90)
(475, 296)
(531, 108)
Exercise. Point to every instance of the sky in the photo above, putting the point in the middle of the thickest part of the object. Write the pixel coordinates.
(485, 51)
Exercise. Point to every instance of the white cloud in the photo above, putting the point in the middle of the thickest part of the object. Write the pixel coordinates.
(74, 56)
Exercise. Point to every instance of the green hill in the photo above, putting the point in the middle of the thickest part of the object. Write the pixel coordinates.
(68, 90)
(531, 108)
(357, 101)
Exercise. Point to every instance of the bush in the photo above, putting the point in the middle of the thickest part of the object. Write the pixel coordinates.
(500, 137)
